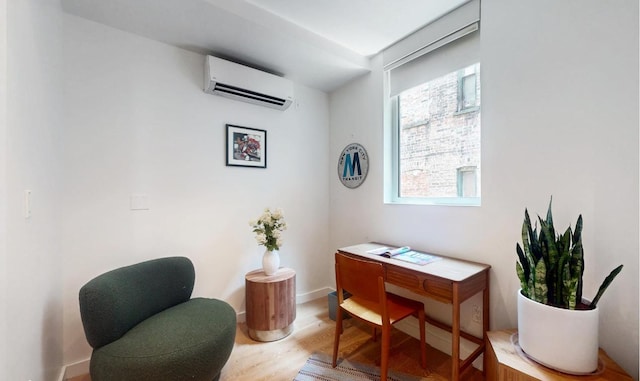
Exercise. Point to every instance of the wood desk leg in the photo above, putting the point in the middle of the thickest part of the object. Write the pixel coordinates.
(485, 321)
(455, 334)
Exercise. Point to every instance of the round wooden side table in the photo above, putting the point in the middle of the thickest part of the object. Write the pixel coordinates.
(271, 304)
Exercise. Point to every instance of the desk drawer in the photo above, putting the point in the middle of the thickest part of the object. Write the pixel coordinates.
(404, 279)
(434, 287)
(439, 288)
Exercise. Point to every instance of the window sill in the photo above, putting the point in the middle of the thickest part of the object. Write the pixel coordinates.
(467, 110)
(438, 201)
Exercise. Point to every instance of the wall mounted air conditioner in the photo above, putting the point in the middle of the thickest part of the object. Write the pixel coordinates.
(242, 83)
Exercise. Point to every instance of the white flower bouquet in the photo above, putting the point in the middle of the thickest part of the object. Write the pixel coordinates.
(268, 229)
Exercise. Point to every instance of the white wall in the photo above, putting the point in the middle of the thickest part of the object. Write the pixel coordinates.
(3, 186)
(560, 117)
(582, 73)
(137, 121)
(33, 304)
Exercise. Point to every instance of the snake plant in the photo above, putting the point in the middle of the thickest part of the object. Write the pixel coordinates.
(550, 265)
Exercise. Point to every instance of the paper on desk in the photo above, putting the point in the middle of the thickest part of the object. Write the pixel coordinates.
(388, 252)
(378, 251)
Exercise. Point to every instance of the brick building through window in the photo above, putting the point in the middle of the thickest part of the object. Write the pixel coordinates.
(439, 136)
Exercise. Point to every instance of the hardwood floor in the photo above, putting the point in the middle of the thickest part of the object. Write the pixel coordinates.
(314, 332)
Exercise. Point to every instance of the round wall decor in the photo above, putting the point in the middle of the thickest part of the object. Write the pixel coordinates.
(353, 165)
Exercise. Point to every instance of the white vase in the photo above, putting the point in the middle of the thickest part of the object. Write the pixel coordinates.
(561, 339)
(270, 262)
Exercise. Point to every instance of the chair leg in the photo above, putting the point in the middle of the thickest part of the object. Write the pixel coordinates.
(423, 342)
(384, 347)
(336, 340)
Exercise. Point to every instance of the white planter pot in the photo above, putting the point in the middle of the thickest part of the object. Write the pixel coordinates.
(565, 340)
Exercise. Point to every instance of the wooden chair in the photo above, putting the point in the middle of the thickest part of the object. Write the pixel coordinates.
(370, 303)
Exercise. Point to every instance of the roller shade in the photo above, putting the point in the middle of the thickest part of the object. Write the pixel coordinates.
(450, 43)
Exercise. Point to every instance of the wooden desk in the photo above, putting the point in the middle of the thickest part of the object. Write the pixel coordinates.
(271, 304)
(447, 280)
(506, 362)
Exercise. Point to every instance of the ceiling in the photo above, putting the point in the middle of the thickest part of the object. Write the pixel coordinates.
(322, 44)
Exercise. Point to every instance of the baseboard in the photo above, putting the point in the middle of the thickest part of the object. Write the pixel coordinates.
(74, 370)
(61, 374)
(439, 339)
(312, 295)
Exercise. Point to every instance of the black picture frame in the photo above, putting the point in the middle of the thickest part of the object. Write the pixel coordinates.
(246, 147)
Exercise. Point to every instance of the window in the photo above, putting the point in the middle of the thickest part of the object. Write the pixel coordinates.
(433, 119)
(468, 89)
(467, 181)
(439, 147)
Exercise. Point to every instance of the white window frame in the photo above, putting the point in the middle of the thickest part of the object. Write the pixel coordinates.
(391, 114)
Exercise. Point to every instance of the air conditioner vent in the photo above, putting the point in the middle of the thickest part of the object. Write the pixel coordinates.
(232, 91)
(239, 82)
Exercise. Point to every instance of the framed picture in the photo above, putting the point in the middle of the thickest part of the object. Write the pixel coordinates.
(246, 147)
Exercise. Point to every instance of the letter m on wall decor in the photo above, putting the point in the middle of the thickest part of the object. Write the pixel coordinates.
(353, 165)
(348, 165)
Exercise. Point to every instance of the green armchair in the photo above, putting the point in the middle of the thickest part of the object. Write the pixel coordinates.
(142, 324)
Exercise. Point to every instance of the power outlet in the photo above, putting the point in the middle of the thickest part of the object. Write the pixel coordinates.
(476, 314)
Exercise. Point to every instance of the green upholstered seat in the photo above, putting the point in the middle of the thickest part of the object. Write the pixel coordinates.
(143, 325)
